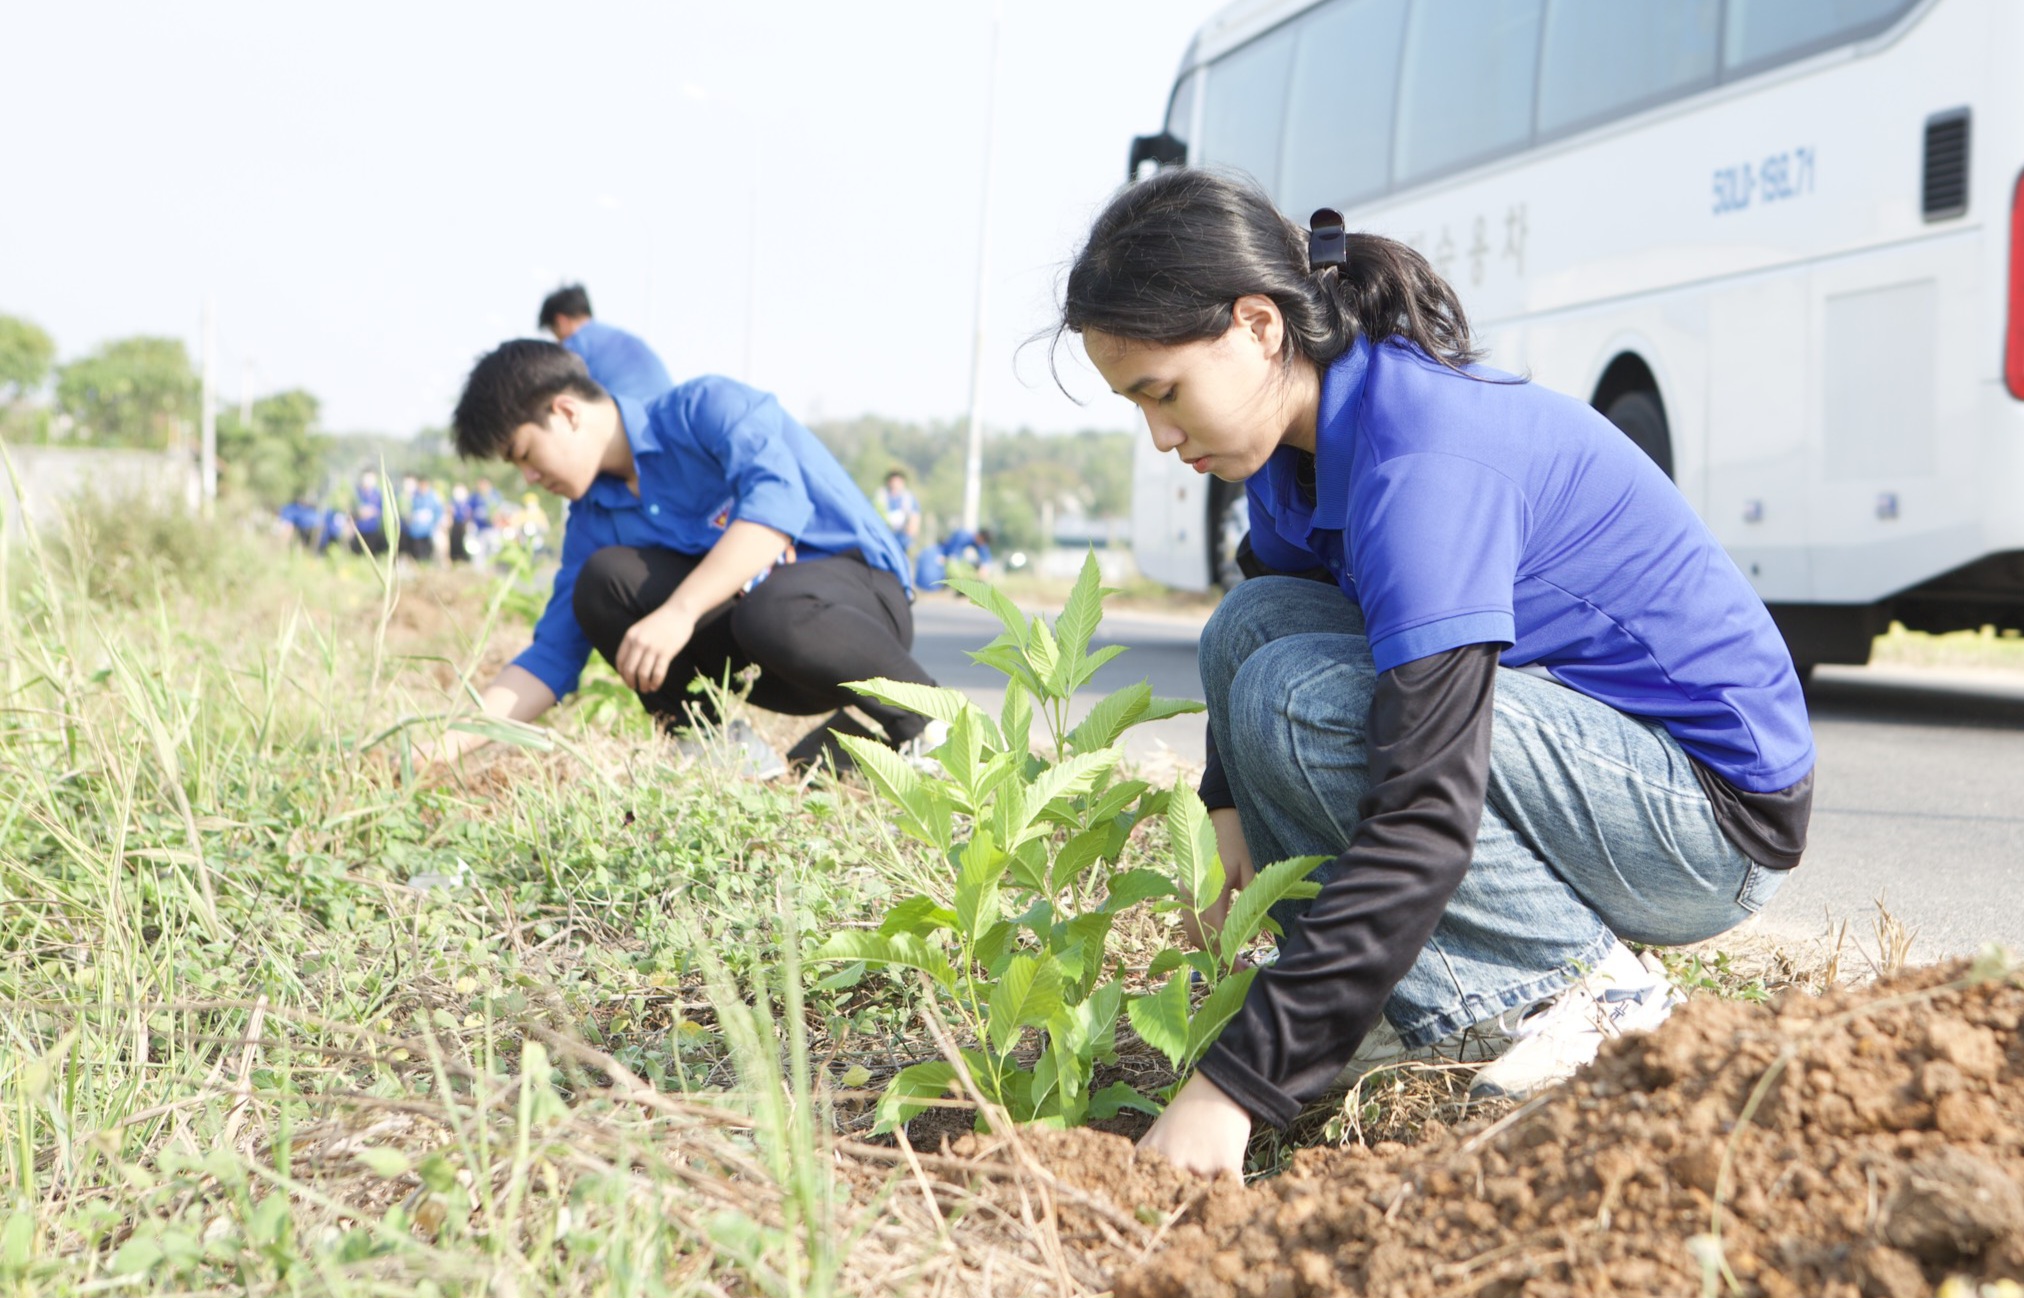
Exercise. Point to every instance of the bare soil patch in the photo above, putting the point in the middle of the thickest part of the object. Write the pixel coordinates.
(1857, 1143)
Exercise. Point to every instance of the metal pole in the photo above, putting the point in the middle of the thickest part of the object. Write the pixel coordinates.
(207, 462)
(973, 463)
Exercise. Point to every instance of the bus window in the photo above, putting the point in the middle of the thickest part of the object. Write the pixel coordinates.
(1467, 91)
(1181, 112)
(1246, 108)
(1761, 31)
(1339, 113)
(1602, 58)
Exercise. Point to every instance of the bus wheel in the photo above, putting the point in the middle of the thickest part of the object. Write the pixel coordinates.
(1642, 419)
(1229, 523)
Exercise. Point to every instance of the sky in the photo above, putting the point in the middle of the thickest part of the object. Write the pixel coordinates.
(373, 194)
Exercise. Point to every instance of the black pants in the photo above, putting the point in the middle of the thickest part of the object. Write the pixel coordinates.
(422, 549)
(809, 627)
(373, 542)
(460, 543)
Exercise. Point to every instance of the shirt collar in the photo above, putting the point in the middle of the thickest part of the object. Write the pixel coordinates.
(1335, 433)
(639, 430)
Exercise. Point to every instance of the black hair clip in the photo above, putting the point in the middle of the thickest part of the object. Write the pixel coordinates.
(1327, 240)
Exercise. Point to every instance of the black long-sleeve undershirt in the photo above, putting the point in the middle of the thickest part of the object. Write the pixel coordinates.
(1429, 755)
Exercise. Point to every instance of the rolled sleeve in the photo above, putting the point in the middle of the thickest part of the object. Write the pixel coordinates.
(759, 462)
(560, 647)
(1436, 542)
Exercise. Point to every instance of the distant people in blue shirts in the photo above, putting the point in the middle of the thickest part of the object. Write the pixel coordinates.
(469, 520)
(303, 519)
(619, 362)
(931, 570)
(901, 509)
(368, 517)
(420, 523)
(708, 532)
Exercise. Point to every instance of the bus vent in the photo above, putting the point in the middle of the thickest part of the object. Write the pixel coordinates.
(1946, 178)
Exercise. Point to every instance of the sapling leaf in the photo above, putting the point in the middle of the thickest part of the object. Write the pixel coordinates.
(1169, 959)
(1010, 660)
(989, 597)
(1042, 656)
(923, 812)
(1097, 1016)
(902, 949)
(1084, 607)
(1273, 884)
(919, 915)
(983, 865)
(1015, 721)
(1161, 1019)
(1029, 866)
(1076, 855)
(928, 700)
(1109, 718)
(994, 948)
(1115, 1099)
(1161, 709)
(1197, 868)
(1130, 887)
(1064, 779)
(916, 1082)
(1078, 942)
(1094, 663)
(1027, 994)
(1113, 800)
(1216, 1009)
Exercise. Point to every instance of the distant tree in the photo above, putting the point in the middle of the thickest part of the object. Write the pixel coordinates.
(275, 455)
(131, 392)
(25, 354)
(1025, 473)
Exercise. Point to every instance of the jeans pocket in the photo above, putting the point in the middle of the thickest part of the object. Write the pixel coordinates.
(1760, 884)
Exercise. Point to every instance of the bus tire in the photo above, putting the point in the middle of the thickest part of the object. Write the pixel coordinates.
(1640, 417)
(1229, 523)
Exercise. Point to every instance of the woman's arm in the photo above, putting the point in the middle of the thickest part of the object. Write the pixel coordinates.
(1305, 1015)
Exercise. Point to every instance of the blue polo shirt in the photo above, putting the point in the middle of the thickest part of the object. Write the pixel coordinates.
(621, 363)
(708, 453)
(1457, 511)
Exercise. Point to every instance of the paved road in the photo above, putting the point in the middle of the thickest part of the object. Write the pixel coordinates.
(1921, 780)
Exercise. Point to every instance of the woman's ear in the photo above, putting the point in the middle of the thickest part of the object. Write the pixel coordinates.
(1257, 318)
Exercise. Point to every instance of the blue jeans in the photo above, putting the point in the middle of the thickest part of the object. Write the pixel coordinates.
(1595, 826)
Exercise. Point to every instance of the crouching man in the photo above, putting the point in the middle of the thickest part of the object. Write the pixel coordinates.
(708, 532)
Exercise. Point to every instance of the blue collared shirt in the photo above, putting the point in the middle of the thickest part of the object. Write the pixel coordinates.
(709, 453)
(622, 364)
(1457, 512)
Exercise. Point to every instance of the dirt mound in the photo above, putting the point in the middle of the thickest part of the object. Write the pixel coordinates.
(1864, 1143)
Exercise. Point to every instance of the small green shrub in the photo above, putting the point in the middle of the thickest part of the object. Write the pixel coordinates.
(1033, 843)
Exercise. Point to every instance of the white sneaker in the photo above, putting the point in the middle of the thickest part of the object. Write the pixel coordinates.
(1555, 1038)
(917, 749)
(1382, 1048)
(736, 747)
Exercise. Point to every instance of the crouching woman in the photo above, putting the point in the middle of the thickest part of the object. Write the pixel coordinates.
(1529, 710)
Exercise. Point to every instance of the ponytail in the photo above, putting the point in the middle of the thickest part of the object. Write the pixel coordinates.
(1169, 257)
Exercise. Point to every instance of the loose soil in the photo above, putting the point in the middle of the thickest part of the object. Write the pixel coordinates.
(1858, 1143)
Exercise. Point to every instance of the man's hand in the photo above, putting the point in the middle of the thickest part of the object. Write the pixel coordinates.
(651, 645)
(1203, 1131)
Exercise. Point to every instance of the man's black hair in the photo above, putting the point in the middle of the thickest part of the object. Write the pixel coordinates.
(511, 386)
(570, 300)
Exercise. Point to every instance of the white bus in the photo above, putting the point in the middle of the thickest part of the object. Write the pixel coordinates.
(1772, 240)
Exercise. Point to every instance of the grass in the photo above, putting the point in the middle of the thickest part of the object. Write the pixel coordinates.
(277, 1016)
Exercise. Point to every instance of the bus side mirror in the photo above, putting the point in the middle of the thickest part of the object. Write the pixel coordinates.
(1163, 150)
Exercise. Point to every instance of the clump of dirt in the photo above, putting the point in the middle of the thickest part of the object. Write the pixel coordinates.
(1859, 1143)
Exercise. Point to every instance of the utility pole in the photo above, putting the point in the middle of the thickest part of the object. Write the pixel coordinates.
(973, 462)
(207, 455)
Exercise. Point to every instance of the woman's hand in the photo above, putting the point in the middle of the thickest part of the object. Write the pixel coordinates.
(650, 646)
(1202, 1131)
